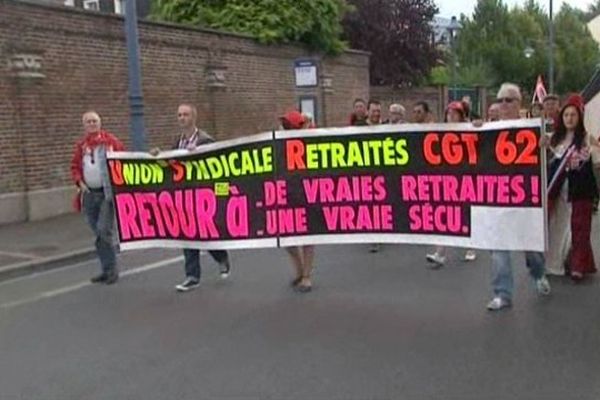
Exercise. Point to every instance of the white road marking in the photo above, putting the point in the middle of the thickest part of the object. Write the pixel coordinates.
(19, 255)
(81, 285)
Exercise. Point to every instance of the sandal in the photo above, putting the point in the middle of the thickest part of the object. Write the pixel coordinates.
(303, 288)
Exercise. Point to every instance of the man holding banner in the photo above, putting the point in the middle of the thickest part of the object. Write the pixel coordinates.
(190, 138)
(509, 100)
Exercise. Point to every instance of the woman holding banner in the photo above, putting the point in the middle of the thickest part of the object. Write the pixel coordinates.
(571, 181)
(302, 256)
(456, 112)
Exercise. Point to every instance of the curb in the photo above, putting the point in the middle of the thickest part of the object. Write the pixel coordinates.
(45, 264)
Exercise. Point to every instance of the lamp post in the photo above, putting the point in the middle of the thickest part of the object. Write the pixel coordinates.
(551, 49)
(453, 30)
(136, 100)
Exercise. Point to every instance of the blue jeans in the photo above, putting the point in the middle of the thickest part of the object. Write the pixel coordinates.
(192, 261)
(502, 274)
(99, 213)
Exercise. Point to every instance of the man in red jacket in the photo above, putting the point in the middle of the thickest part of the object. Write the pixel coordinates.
(89, 173)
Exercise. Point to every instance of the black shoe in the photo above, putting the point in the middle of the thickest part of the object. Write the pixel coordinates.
(225, 269)
(187, 285)
(112, 278)
(303, 288)
(295, 282)
(99, 278)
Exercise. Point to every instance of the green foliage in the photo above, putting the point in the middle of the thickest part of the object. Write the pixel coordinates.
(317, 23)
(577, 53)
(439, 76)
(494, 39)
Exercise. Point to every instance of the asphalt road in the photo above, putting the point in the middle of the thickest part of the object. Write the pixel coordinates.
(377, 326)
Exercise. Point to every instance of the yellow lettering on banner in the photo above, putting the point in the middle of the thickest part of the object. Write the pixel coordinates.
(142, 174)
(129, 173)
(234, 157)
(215, 168)
(337, 155)
(402, 152)
(312, 157)
(267, 155)
(388, 152)
(376, 146)
(247, 165)
(355, 158)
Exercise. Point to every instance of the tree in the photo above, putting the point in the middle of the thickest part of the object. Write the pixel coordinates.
(317, 23)
(577, 52)
(495, 39)
(593, 11)
(398, 34)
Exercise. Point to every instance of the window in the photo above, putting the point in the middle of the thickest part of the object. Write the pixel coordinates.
(119, 7)
(70, 3)
(93, 5)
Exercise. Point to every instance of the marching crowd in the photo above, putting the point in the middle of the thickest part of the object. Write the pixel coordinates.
(573, 171)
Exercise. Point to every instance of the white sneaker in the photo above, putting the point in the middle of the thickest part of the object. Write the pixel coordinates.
(187, 285)
(543, 286)
(498, 303)
(225, 269)
(436, 259)
(470, 255)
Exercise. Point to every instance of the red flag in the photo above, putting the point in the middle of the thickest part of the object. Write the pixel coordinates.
(540, 90)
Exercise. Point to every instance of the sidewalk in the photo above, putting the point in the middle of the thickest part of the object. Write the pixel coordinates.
(36, 246)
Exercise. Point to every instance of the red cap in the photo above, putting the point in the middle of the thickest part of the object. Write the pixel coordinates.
(293, 120)
(577, 101)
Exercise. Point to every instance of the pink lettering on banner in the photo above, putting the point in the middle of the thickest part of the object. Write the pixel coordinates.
(467, 190)
(440, 219)
(344, 189)
(503, 190)
(517, 186)
(185, 212)
(127, 216)
(275, 193)
(450, 188)
(153, 202)
(379, 187)
(169, 213)
(206, 209)
(436, 181)
(364, 218)
(490, 183)
(237, 216)
(327, 186)
(311, 189)
(144, 214)
(287, 221)
(409, 188)
(344, 192)
(535, 189)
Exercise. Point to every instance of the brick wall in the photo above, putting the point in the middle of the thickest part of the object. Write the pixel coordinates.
(82, 58)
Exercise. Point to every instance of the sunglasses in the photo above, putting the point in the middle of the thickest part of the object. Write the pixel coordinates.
(506, 100)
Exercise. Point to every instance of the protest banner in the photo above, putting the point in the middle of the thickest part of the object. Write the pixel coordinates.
(446, 184)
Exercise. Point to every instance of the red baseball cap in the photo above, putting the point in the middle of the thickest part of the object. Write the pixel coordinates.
(293, 120)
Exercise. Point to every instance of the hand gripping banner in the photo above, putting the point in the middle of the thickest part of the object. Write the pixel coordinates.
(444, 184)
